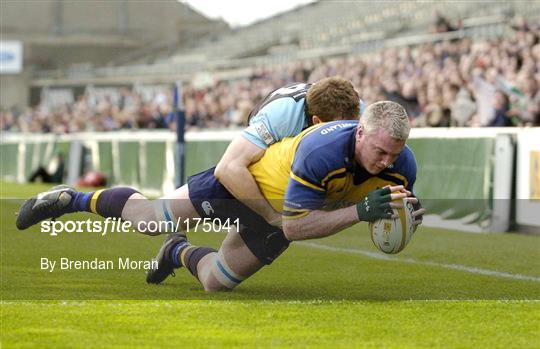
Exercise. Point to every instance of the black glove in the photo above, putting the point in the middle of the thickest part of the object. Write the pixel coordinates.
(376, 205)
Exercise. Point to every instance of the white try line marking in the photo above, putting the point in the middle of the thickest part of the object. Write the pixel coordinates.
(459, 267)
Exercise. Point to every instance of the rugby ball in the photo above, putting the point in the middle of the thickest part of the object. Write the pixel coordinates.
(392, 235)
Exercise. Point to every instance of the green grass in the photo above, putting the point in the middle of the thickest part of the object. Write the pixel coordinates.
(345, 324)
(309, 297)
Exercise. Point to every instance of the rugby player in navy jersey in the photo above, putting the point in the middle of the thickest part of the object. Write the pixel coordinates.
(329, 177)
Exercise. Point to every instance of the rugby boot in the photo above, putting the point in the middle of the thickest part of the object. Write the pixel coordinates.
(165, 265)
(50, 204)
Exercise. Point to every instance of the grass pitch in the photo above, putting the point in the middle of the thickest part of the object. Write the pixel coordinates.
(447, 289)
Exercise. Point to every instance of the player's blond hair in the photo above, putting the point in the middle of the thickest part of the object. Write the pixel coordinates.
(387, 115)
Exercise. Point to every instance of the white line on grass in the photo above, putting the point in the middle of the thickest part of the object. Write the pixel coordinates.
(459, 267)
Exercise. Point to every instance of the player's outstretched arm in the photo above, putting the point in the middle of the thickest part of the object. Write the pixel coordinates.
(232, 171)
(318, 224)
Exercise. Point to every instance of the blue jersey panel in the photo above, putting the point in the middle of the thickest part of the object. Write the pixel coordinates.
(283, 117)
(324, 172)
(321, 155)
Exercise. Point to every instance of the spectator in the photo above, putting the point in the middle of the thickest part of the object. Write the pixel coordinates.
(501, 106)
(439, 84)
(462, 109)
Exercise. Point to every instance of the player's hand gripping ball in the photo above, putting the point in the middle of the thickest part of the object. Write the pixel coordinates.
(392, 235)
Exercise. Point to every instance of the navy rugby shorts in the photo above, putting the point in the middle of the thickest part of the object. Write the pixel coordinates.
(212, 200)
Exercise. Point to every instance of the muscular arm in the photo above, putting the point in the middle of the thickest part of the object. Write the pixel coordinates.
(232, 171)
(319, 224)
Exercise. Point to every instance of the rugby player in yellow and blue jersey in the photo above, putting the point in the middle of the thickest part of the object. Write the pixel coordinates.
(337, 165)
(329, 177)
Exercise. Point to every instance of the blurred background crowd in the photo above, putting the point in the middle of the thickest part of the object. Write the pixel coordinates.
(456, 82)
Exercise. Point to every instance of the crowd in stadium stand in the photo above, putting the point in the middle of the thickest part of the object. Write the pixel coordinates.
(128, 111)
(450, 83)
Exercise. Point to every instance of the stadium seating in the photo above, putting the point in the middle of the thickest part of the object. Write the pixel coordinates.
(322, 25)
(332, 38)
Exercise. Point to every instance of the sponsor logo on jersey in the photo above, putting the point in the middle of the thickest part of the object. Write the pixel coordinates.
(332, 128)
(208, 209)
(263, 132)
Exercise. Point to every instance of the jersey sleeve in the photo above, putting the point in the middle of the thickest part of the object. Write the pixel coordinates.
(281, 118)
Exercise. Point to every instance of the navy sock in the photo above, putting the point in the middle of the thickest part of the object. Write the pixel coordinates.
(175, 253)
(105, 202)
(81, 201)
(189, 256)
